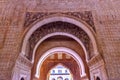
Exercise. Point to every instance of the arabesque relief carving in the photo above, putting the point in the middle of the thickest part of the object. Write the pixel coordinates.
(58, 26)
(33, 17)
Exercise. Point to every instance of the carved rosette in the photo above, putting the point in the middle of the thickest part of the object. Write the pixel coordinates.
(58, 26)
(33, 17)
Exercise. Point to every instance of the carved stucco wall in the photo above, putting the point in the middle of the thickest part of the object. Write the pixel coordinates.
(106, 16)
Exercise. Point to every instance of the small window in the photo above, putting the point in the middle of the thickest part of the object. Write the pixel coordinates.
(59, 71)
(60, 78)
(53, 71)
(97, 78)
(66, 79)
(53, 78)
(22, 78)
(66, 71)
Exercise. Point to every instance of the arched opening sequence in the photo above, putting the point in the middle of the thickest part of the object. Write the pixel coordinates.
(61, 49)
(77, 58)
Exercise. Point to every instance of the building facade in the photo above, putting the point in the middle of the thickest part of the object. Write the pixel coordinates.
(37, 35)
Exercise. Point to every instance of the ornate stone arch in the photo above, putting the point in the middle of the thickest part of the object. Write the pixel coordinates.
(87, 31)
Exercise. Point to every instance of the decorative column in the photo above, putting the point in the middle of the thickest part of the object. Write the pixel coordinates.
(97, 68)
(22, 69)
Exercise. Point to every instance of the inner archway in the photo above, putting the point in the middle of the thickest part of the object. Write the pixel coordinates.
(61, 49)
(64, 20)
(60, 59)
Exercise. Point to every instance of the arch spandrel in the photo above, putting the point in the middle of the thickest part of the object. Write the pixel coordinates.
(84, 17)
